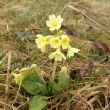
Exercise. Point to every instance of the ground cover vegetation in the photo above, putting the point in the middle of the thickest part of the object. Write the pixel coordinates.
(54, 55)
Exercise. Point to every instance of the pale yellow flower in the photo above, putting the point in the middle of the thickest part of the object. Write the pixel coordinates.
(54, 42)
(41, 42)
(54, 23)
(64, 41)
(18, 78)
(57, 55)
(71, 51)
(43, 49)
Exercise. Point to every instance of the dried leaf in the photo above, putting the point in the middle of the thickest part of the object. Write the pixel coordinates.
(102, 46)
(90, 25)
(76, 72)
(69, 29)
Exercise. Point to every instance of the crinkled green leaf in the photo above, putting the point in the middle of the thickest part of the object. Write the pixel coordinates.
(63, 78)
(38, 103)
(32, 80)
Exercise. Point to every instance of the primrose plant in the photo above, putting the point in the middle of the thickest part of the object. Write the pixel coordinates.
(58, 41)
(32, 78)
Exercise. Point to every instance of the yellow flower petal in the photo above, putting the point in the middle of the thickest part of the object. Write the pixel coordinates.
(48, 23)
(71, 51)
(52, 17)
(43, 49)
(41, 42)
(64, 41)
(75, 50)
(17, 78)
(54, 42)
(59, 19)
(57, 55)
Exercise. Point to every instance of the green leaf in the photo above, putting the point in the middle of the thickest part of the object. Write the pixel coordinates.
(63, 81)
(24, 35)
(43, 89)
(63, 78)
(38, 103)
(56, 88)
(50, 86)
(33, 81)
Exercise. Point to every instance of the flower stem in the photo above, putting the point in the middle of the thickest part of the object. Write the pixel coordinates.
(54, 69)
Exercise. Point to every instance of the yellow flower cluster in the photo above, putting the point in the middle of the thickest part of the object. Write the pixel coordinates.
(57, 41)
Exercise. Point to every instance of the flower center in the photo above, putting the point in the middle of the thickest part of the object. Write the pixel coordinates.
(65, 41)
(56, 41)
(43, 40)
(54, 24)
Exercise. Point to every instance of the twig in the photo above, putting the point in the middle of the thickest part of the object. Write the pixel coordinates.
(73, 8)
(7, 27)
(4, 58)
(107, 107)
(16, 95)
(7, 80)
(7, 105)
(62, 10)
(22, 104)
